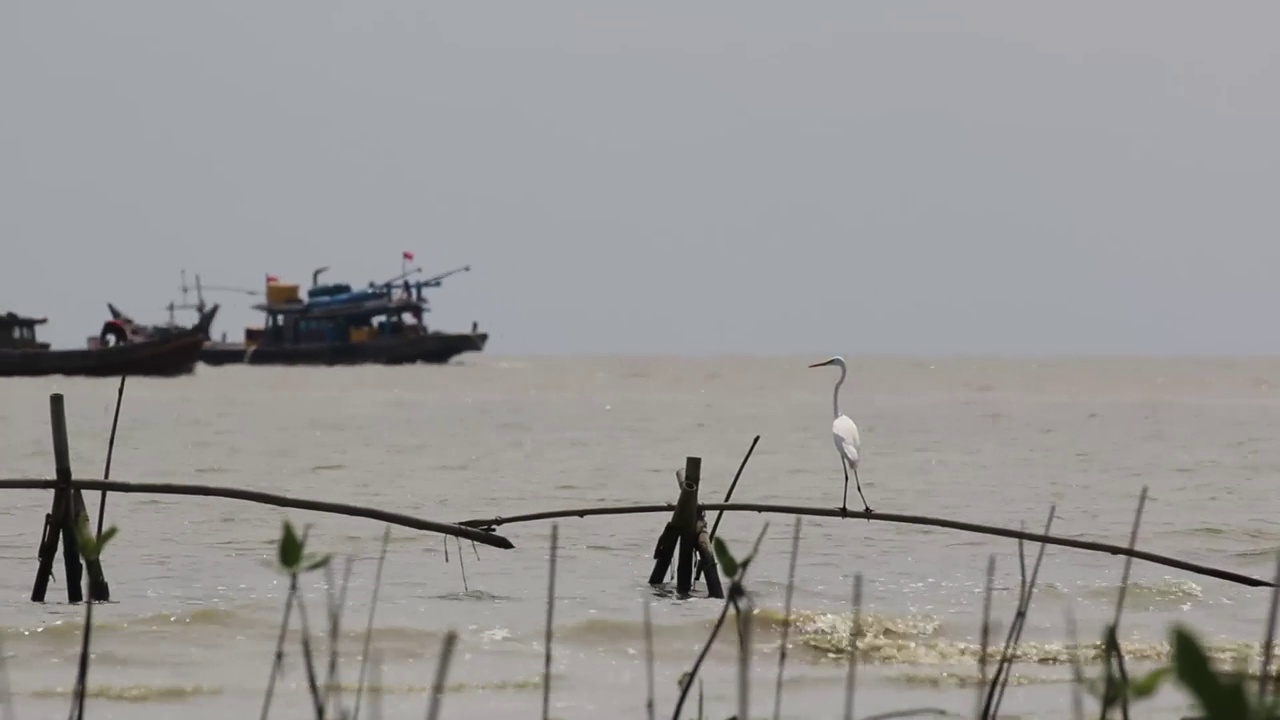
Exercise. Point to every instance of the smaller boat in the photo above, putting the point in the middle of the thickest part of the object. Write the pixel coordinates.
(164, 354)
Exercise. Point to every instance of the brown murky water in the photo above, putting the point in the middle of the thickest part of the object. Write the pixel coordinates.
(197, 605)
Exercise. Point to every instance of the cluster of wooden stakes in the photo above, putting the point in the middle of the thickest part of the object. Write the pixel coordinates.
(692, 545)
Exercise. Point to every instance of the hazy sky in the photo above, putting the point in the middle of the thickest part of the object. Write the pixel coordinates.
(661, 177)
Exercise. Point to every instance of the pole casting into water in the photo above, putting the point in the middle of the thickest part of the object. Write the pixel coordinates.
(845, 434)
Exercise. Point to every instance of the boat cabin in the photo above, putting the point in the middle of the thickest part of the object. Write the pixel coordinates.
(337, 314)
(19, 333)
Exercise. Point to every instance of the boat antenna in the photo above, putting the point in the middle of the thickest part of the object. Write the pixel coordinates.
(200, 306)
(315, 276)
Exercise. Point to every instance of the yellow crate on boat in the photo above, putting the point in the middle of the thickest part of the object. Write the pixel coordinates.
(278, 293)
(361, 334)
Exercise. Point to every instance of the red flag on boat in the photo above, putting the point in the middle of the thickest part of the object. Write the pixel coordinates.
(272, 279)
(406, 255)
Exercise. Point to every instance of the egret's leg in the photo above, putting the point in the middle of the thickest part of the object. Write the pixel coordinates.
(857, 484)
(844, 501)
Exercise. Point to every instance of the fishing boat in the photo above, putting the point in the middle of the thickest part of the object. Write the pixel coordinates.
(111, 354)
(339, 325)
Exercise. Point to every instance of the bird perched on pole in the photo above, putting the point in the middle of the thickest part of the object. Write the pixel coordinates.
(844, 432)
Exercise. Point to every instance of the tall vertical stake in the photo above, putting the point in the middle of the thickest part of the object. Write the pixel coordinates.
(686, 521)
(62, 465)
(63, 520)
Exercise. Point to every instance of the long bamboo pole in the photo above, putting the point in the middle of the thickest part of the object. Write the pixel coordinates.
(878, 516)
(264, 498)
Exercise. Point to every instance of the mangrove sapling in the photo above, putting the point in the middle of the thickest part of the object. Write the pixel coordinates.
(91, 547)
(292, 559)
(735, 571)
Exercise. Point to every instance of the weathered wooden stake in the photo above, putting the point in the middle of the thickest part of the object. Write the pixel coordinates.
(707, 559)
(68, 508)
(686, 521)
(685, 536)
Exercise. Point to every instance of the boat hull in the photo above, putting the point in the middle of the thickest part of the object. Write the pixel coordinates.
(435, 348)
(162, 357)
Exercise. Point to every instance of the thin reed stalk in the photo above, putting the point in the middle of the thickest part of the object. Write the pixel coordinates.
(6, 693)
(551, 605)
(1268, 641)
(702, 654)
(1113, 651)
(855, 633)
(1077, 672)
(745, 627)
(1027, 586)
(735, 589)
(462, 563)
(786, 622)
(986, 631)
(376, 688)
(697, 573)
(279, 656)
(111, 446)
(1128, 561)
(368, 632)
(278, 663)
(82, 672)
(442, 672)
(308, 658)
(333, 694)
(648, 660)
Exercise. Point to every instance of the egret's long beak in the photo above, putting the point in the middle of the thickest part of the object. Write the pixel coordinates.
(821, 364)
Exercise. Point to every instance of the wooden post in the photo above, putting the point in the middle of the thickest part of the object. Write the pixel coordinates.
(707, 559)
(665, 550)
(685, 519)
(687, 532)
(49, 539)
(68, 508)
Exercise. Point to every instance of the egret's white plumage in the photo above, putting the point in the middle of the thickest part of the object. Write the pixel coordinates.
(844, 432)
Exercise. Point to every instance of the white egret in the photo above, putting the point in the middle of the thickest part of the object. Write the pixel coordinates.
(845, 434)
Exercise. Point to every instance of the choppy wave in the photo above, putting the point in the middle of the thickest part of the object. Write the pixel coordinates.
(202, 617)
(136, 693)
(1160, 593)
(901, 640)
(1262, 552)
(913, 640)
(531, 683)
(241, 622)
(971, 678)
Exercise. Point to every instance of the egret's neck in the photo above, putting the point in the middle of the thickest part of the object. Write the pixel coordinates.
(835, 394)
